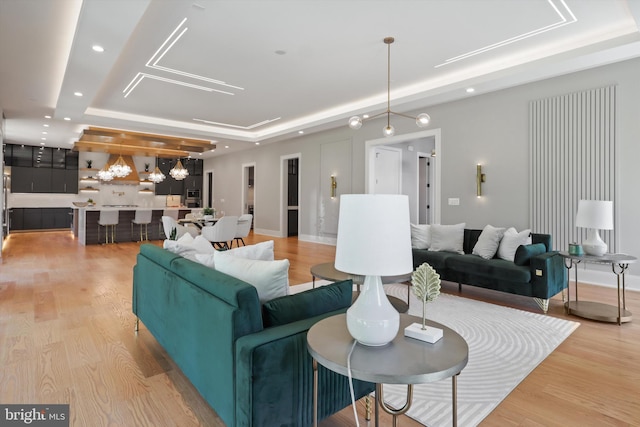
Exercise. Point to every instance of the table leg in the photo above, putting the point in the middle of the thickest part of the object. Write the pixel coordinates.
(315, 393)
(620, 274)
(454, 399)
(391, 410)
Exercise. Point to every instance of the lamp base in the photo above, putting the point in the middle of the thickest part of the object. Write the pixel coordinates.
(594, 245)
(372, 320)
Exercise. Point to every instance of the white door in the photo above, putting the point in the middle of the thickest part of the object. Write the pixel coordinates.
(387, 170)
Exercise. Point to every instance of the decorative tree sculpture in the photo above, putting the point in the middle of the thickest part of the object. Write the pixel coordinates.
(426, 286)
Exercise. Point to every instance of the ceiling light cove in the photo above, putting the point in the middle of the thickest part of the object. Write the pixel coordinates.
(250, 127)
(152, 63)
(565, 17)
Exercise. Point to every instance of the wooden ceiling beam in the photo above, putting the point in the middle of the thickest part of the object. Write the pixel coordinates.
(116, 141)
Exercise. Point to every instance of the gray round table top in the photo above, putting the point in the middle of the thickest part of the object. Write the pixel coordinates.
(402, 361)
(603, 259)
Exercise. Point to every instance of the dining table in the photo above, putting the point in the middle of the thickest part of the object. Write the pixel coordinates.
(198, 222)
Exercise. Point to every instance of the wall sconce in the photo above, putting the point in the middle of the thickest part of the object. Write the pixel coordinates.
(480, 178)
(334, 185)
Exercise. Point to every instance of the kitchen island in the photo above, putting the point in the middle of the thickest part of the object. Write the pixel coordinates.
(85, 223)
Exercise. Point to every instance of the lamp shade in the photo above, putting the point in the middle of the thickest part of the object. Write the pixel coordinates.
(374, 235)
(597, 214)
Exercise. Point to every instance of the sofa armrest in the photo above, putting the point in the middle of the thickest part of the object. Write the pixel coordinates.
(274, 378)
(548, 275)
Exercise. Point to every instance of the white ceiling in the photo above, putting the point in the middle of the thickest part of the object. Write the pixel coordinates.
(239, 72)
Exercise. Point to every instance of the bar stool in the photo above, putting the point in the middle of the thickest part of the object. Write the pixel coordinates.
(142, 217)
(108, 219)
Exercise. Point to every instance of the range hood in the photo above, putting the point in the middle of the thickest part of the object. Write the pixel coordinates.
(132, 179)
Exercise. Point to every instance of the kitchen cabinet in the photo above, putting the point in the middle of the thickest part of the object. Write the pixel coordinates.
(42, 170)
(40, 218)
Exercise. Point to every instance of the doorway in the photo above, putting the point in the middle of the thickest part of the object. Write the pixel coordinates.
(248, 188)
(290, 195)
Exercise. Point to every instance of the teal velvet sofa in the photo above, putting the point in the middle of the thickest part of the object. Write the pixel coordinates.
(542, 276)
(251, 372)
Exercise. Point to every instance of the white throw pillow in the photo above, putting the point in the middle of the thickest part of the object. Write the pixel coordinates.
(202, 245)
(488, 242)
(262, 251)
(270, 278)
(447, 238)
(420, 236)
(510, 242)
(184, 250)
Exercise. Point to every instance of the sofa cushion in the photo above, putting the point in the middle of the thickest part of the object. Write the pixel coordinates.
(304, 305)
(420, 236)
(447, 237)
(510, 242)
(474, 265)
(270, 278)
(524, 253)
(436, 260)
(488, 242)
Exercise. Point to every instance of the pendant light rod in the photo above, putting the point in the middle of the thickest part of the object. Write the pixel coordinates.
(422, 120)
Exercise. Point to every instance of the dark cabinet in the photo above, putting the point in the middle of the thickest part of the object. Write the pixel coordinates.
(21, 179)
(40, 218)
(42, 170)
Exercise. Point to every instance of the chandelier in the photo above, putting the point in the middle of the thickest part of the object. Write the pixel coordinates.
(105, 174)
(156, 176)
(422, 120)
(120, 168)
(179, 172)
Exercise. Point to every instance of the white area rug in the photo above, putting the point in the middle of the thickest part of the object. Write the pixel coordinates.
(505, 345)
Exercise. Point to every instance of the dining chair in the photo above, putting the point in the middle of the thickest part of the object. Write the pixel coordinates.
(173, 213)
(243, 229)
(169, 223)
(222, 232)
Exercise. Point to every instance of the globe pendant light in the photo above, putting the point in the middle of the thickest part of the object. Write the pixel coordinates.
(120, 168)
(105, 174)
(422, 120)
(156, 176)
(179, 172)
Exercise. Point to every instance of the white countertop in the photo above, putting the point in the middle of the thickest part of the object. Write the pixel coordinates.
(129, 208)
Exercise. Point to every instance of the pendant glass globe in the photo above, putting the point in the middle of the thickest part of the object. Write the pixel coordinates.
(423, 120)
(388, 130)
(355, 122)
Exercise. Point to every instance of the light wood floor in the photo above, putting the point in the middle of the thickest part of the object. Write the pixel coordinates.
(66, 336)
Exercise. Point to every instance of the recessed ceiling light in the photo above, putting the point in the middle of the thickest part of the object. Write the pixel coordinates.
(44, 133)
(300, 132)
(470, 90)
(365, 116)
(97, 48)
(226, 146)
(47, 117)
(77, 93)
(45, 125)
(67, 118)
(257, 143)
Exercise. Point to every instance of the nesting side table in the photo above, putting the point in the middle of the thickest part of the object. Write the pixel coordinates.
(403, 361)
(598, 310)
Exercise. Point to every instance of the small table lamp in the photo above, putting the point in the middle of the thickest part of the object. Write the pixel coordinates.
(595, 215)
(374, 240)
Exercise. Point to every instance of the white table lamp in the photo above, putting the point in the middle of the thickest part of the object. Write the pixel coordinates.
(374, 240)
(595, 215)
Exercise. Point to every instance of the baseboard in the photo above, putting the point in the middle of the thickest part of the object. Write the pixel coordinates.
(264, 232)
(317, 239)
(606, 279)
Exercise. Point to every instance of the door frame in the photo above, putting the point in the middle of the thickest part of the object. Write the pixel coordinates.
(369, 164)
(245, 184)
(283, 191)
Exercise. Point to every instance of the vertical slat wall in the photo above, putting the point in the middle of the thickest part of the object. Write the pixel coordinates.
(572, 157)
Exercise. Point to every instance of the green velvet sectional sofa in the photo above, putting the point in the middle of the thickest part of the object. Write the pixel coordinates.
(541, 276)
(253, 372)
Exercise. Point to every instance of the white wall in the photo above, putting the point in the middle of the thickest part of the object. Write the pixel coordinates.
(491, 129)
